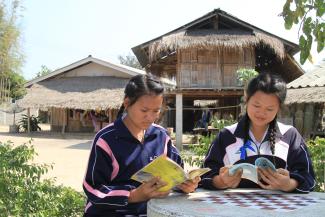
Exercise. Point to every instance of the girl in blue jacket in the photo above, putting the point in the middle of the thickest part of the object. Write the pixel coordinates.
(126, 146)
(258, 134)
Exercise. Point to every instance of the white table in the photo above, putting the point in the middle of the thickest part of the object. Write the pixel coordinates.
(223, 203)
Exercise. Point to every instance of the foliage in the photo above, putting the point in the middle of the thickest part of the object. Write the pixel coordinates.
(130, 60)
(24, 193)
(245, 75)
(34, 123)
(221, 123)
(309, 13)
(11, 58)
(317, 152)
(17, 81)
(44, 71)
(198, 151)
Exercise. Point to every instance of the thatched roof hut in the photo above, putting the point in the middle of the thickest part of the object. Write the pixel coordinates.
(213, 39)
(218, 30)
(85, 93)
(83, 96)
(306, 102)
(89, 83)
(203, 57)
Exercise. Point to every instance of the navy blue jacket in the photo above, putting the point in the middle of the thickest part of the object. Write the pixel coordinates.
(115, 156)
(290, 153)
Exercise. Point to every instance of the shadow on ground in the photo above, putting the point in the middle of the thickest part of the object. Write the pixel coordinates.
(83, 146)
(52, 135)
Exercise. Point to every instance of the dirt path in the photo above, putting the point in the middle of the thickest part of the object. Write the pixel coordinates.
(68, 153)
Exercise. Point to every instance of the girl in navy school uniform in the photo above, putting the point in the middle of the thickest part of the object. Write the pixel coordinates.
(258, 134)
(126, 146)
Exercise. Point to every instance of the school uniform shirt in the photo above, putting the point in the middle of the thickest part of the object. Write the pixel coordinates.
(115, 156)
(290, 153)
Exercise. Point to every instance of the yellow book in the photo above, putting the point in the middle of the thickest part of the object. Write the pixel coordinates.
(168, 170)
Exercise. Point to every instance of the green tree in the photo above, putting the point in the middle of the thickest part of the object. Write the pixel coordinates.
(11, 57)
(44, 71)
(129, 60)
(10, 54)
(17, 89)
(309, 14)
(245, 75)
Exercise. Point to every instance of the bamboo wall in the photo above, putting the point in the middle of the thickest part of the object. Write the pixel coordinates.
(71, 120)
(211, 68)
(307, 118)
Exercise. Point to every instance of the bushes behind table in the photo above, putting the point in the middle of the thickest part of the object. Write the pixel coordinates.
(317, 151)
(22, 191)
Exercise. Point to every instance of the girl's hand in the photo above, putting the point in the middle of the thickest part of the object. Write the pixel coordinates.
(224, 180)
(148, 190)
(189, 185)
(279, 180)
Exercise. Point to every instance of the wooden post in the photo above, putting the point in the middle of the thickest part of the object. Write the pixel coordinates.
(179, 121)
(28, 120)
(110, 116)
(65, 116)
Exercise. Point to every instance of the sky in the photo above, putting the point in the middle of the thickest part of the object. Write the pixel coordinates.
(56, 33)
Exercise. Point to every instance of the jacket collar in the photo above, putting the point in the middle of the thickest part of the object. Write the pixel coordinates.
(123, 132)
(239, 132)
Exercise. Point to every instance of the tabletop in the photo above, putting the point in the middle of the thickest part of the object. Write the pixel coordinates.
(238, 202)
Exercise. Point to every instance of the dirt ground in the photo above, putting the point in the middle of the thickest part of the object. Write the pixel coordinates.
(67, 152)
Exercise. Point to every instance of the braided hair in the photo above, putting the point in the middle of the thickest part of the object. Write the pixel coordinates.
(270, 84)
(139, 86)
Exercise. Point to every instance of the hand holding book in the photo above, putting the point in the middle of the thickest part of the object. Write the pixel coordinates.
(168, 171)
(250, 170)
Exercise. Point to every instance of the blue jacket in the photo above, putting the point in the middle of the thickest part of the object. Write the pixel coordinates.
(290, 153)
(115, 156)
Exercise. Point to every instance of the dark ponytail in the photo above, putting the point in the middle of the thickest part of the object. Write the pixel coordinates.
(139, 86)
(246, 128)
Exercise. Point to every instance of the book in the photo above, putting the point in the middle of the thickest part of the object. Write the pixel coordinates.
(168, 171)
(250, 170)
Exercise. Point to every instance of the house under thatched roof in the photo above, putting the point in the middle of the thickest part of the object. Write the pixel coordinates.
(218, 30)
(90, 83)
(213, 39)
(305, 103)
(77, 93)
(83, 96)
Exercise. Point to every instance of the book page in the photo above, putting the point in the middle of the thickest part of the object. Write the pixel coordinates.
(249, 171)
(197, 172)
(168, 170)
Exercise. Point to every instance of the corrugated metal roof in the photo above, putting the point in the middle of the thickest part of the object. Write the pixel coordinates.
(306, 95)
(315, 78)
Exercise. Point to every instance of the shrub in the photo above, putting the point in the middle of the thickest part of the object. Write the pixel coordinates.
(317, 151)
(24, 193)
(221, 123)
(34, 123)
(198, 151)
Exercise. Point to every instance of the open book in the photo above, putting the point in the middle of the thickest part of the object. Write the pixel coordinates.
(168, 170)
(250, 170)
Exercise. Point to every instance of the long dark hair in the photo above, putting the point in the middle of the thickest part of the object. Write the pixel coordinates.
(138, 86)
(269, 84)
